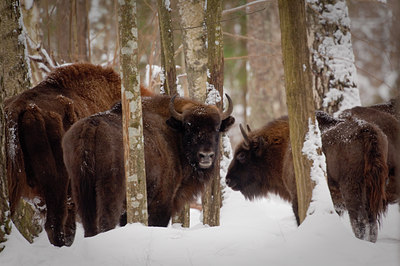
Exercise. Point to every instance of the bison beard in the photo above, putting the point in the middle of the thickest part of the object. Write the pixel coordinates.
(358, 167)
(181, 139)
(36, 121)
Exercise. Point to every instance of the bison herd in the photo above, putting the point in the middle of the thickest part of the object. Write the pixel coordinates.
(65, 150)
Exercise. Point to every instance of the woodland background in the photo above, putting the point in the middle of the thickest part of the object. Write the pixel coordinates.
(86, 30)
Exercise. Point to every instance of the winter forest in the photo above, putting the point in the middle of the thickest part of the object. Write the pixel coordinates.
(201, 132)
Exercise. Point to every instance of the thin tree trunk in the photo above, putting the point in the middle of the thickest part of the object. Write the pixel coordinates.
(132, 115)
(298, 93)
(194, 46)
(167, 47)
(212, 198)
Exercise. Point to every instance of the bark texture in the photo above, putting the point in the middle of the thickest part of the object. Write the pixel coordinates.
(298, 93)
(132, 115)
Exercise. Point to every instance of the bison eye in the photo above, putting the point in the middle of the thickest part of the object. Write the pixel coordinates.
(241, 157)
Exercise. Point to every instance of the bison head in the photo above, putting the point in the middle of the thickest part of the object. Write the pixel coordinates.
(200, 126)
(257, 164)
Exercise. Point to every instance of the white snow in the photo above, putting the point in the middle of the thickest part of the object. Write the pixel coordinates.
(263, 232)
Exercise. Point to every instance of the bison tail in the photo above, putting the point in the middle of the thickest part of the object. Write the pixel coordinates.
(375, 170)
(79, 159)
(16, 174)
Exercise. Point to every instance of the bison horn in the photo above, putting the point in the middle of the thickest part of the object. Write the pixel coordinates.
(245, 136)
(227, 112)
(173, 111)
(248, 128)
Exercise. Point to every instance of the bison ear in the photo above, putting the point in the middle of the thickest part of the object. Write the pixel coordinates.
(175, 124)
(325, 120)
(226, 124)
(258, 146)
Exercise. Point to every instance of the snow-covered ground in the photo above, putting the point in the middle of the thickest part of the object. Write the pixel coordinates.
(251, 233)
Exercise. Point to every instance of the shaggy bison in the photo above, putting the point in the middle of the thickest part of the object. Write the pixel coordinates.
(356, 154)
(181, 140)
(36, 121)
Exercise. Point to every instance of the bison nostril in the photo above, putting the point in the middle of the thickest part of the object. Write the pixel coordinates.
(206, 155)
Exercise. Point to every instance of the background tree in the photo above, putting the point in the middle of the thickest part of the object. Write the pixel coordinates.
(265, 85)
(167, 47)
(132, 115)
(14, 78)
(212, 198)
(298, 93)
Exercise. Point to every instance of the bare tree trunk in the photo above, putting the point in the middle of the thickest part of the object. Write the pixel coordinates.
(14, 78)
(194, 46)
(334, 72)
(298, 93)
(63, 32)
(167, 47)
(266, 97)
(212, 198)
(132, 115)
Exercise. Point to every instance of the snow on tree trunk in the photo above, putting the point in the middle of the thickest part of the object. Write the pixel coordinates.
(132, 115)
(194, 46)
(14, 78)
(298, 93)
(334, 71)
(265, 95)
(167, 48)
(212, 198)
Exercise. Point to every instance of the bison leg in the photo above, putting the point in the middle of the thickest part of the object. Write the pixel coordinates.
(41, 144)
(355, 200)
(70, 224)
(160, 215)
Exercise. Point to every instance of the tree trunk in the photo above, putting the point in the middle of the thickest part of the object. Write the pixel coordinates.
(132, 115)
(167, 47)
(265, 85)
(212, 198)
(194, 46)
(298, 93)
(195, 54)
(14, 78)
(332, 56)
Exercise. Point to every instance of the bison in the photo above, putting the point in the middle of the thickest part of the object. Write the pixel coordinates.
(386, 118)
(36, 121)
(181, 141)
(356, 154)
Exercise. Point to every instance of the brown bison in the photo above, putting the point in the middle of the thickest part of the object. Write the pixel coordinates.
(36, 121)
(181, 140)
(386, 118)
(355, 152)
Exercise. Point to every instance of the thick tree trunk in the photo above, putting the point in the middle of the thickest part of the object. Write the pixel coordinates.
(212, 198)
(298, 93)
(132, 115)
(14, 78)
(167, 48)
(334, 71)
(265, 85)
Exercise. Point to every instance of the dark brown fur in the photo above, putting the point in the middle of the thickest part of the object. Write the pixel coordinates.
(356, 165)
(36, 121)
(172, 153)
(384, 116)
